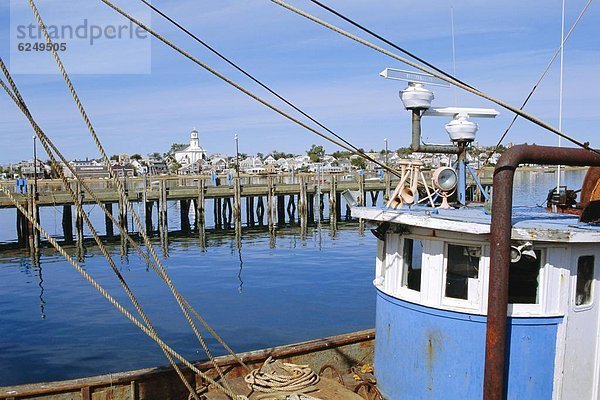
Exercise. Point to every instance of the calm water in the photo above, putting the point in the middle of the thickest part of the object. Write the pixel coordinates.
(53, 325)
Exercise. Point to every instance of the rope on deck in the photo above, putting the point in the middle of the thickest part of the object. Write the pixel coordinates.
(282, 380)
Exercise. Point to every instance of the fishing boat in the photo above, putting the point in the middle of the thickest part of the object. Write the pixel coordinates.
(473, 300)
(469, 298)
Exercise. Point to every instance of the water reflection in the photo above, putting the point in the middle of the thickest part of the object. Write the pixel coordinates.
(241, 287)
(41, 286)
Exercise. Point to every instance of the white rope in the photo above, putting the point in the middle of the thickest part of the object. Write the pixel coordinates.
(275, 377)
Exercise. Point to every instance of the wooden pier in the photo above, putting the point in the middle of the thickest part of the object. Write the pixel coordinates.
(273, 200)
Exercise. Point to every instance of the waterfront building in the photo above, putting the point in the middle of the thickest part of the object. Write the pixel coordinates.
(191, 154)
(88, 169)
(270, 160)
(28, 169)
(252, 163)
(124, 171)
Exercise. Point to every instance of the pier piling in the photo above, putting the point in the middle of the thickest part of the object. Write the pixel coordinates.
(184, 213)
(67, 224)
(260, 211)
(280, 210)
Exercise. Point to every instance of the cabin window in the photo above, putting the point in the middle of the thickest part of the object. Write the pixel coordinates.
(585, 280)
(412, 260)
(523, 283)
(462, 270)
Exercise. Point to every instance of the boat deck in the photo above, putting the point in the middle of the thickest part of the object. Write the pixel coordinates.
(529, 223)
(328, 389)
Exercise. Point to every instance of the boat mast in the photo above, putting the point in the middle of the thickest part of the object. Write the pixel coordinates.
(560, 91)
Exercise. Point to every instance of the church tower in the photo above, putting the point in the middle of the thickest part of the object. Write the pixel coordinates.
(194, 143)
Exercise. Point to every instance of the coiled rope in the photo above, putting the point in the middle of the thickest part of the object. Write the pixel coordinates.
(276, 377)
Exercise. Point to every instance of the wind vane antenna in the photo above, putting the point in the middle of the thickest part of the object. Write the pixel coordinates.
(412, 77)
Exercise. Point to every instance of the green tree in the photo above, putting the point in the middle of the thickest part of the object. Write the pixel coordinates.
(136, 157)
(341, 154)
(280, 154)
(404, 151)
(114, 157)
(175, 147)
(358, 162)
(315, 153)
(155, 156)
(174, 167)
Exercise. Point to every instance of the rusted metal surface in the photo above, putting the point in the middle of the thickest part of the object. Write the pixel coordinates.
(501, 226)
(590, 190)
(591, 212)
(162, 383)
(368, 391)
(335, 374)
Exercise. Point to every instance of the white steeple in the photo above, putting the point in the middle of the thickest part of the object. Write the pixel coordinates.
(194, 143)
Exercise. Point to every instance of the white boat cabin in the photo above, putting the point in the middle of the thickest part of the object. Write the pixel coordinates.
(431, 276)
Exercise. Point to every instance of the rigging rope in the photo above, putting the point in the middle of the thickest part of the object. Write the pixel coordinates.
(122, 193)
(386, 41)
(150, 333)
(257, 81)
(79, 207)
(535, 86)
(430, 71)
(241, 88)
(112, 218)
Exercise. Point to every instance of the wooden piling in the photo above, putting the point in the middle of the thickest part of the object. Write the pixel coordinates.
(237, 208)
(302, 199)
(30, 227)
(107, 221)
(35, 212)
(281, 210)
(79, 222)
(260, 211)
(321, 207)
(67, 224)
(184, 213)
(362, 199)
(388, 185)
(163, 207)
(332, 198)
(250, 211)
(270, 193)
(217, 213)
(200, 205)
(78, 214)
(149, 208)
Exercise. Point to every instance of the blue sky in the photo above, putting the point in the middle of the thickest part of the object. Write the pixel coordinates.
(501, 48)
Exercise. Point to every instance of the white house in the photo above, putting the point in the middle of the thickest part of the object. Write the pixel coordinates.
(191, 154)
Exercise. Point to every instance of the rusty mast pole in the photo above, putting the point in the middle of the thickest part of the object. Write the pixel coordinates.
(501, 229)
